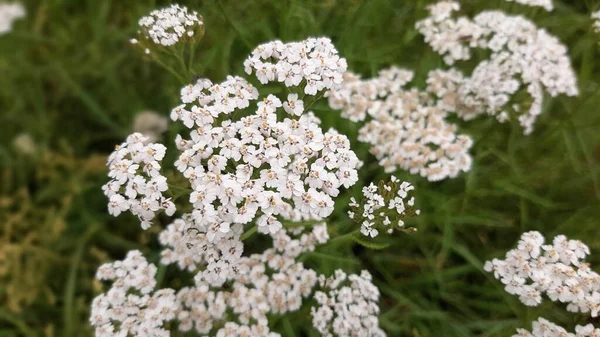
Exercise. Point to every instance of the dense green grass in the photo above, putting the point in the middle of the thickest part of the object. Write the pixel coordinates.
(69, 78)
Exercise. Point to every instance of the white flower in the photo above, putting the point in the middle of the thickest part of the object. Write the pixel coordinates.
(557, 270)
(9, 12)
(405, 127)
(137, 184)
(523, 59)
(150, 124)
(314, 62)
(131, 302)
(347, 310)
(167, 26)
(545, 328)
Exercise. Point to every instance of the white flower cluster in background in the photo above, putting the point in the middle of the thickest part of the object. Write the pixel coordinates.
(546, 4)
(557, 270)
(596, 18)
(387, 204)
(405, 128)
(131, 307)
(523, 58)
(348, 306)
(9, 12)
(150, 124)
(137, 184)
(167, 26)
(314, 63)
(545, 328)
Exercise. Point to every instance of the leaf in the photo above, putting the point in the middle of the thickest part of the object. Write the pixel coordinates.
(370, 244)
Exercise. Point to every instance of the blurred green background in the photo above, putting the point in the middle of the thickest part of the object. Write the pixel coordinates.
(70, 86)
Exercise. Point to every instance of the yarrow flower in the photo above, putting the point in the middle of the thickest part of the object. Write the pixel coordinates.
(313, 63)
(405, 127)
(168, 26)
(523, 58)
(245, 164)
(384, 206)
(347, 306)
(9, 12)
(546, 4)
(545, 328)
(137, 184)
(556, 270)
(131, 307)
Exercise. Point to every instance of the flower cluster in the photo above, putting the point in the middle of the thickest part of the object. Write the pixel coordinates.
(314, 63)
(347, 310)
(524, 59)
(131, 307)
(268, 283)
(245, 165)
(557, 270)
(545, 328)
(9, 12)
(405, 127)
(387, 204)
(137, 184)
(167, 26)
(546, 4)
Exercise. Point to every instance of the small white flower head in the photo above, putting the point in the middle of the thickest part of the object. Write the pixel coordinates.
(131, 307)
(313, 64)
(545, 328)
(406, 129)
(136, 183)
(557, 270)
(347, 306)
(168, 26)
(150, 124)
(10, 12)
(524, 59)
(384, 207)
(545, 4)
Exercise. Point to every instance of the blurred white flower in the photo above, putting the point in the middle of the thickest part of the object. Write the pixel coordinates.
(523, 58)
(150, 124)
(9, 12)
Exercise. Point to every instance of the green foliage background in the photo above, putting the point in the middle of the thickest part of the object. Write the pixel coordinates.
(69, 78)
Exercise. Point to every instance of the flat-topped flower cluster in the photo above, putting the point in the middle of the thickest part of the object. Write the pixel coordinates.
(252, 165)
(557, 270)
(523, 58)
(269, 283)
(167, 26)
(405, 127)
